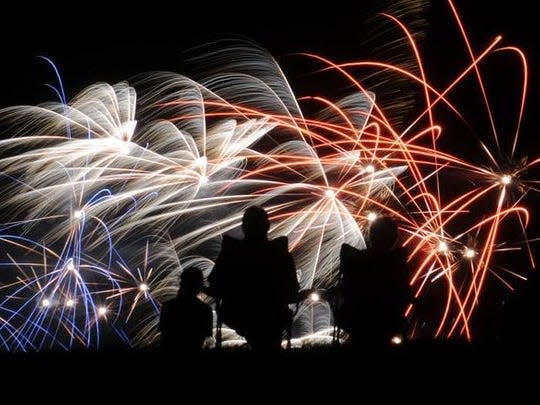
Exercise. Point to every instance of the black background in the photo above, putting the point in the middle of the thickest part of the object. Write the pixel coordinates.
(104, 42)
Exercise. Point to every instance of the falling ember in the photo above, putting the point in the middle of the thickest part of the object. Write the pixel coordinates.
(371, 217)
(443, 247)
(506, 179)
(126, 131)
(397, 340)
(143, 287)
(370, 169)
(469, 253)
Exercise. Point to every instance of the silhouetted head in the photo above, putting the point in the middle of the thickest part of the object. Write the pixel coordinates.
(255, 223)
(191, 281)
(383, 233)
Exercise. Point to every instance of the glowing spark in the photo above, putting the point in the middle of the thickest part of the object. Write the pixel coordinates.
(70, 303)
(469, 253)
(397, 340)
(143, 287)
(70, 266)
(45, 303)
(125, 132)
(330, 193)
(102, 311)
(124, 148)
(314, 297)
(78, 214)
(371, 216)
(370, 169)
(506, 179)
(202, 161)
(443, 247)
(203, 179)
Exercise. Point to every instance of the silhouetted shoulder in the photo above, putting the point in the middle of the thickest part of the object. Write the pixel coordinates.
(349, 253)
(347, 250)
(166, 316)
(167, 305)
(400, 254)
(281, 243)
(230, 242)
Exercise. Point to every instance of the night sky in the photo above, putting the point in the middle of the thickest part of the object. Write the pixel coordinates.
(96, 42)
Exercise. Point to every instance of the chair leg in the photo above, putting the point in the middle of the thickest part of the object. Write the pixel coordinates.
(219, 324)
(289, 335)
(218, 336)
(335, 335)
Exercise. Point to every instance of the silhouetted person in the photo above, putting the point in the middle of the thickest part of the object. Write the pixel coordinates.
(255, 280)
(186, 321)
(375, 287)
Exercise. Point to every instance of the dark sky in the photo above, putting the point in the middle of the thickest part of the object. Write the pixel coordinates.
(93, 42)
(97, 42)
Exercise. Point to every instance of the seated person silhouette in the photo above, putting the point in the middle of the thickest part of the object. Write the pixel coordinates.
(186, 321)
(255, 279)
(375, 287)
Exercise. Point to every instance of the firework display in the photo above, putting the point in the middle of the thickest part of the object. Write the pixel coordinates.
(108, 196)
